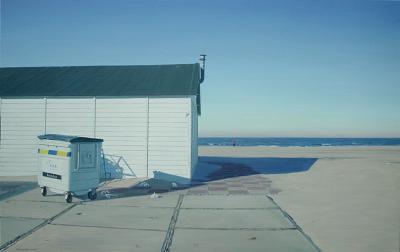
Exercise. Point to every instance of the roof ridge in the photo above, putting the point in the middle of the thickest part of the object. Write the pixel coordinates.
(73, 66)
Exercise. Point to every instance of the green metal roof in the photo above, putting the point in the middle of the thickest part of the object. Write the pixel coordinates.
(100, 80)
(150, 80)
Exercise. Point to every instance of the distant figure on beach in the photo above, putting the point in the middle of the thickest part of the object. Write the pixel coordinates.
(233, 142)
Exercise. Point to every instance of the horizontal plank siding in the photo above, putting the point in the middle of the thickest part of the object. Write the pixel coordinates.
(122, 123)
(22, 120)
(70, 117)
(169, 136)
(141, 135)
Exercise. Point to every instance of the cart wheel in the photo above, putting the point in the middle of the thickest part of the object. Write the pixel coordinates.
(68, 197)
(43, 191)
(92, 195)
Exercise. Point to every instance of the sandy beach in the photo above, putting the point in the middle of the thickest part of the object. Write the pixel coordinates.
(348, 200)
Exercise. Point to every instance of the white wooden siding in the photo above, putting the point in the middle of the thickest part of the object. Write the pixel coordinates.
(70, 117)
(170, 136)
(122, 123)
(22, 120)
(141, 135)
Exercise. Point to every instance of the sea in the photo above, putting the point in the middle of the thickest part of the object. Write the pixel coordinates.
(296, 141)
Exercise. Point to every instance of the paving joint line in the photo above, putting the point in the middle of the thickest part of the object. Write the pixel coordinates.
(31, 231)
(21, 217)
(237, 229)
(171, 229)
(287, 215)
(100, 205)
(106, 227)
(221, 208)
(38, 201)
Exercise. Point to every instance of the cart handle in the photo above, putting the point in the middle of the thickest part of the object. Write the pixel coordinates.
(78, 156)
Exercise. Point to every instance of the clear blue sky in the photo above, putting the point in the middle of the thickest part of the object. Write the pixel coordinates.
(275, 68)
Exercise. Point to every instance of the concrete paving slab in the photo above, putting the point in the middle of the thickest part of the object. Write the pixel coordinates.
(232, 219)
(164, 200)
(12, 188)
(229, 240)
(117, 217)
(238, 192)
(11, 228)
(197, 192)
(31, 209)
(68, 238)
(34, 195)
(256, 192)
(227, 202)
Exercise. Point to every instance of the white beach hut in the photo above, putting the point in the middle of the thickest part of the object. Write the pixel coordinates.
(147, 115)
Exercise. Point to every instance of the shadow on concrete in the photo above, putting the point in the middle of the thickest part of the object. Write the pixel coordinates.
(142, 188)
(216, 168)
(13, 188)
(113, 167)
(212, 169)
(172, 178)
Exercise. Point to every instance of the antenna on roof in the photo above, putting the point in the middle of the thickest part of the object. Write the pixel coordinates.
(202, 66)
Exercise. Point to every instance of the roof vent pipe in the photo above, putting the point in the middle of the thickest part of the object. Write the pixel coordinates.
(202, 66)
